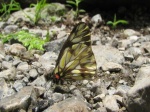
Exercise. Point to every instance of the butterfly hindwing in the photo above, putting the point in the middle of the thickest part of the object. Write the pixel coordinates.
(76, 60)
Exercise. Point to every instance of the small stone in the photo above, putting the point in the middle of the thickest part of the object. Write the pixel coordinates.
(23, 66)
(6, 65)
(20, 100)
(39, 90)
(128, 57)
(96, 19)
(17, 49)
(36, 64)
(9, 74)
(69, 105)
(140, 61)
(97, 99)
(72, 87)
(47, 61)
(101, 109)
(25, 79)
(2, 24)
(130, 32)
(112, 67)
(57, 97)
(33, 73)
(18, 85)
(137, 98)
(112, 91)
(111, 104)
(78, 93)
(122, 89)
(8, 58)
(122, 82)
(133, 38)
(85, 82)
(16, 62)
(40, 81)
(3, 88)
(10, 28)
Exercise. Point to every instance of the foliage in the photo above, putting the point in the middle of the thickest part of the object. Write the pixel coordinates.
(76, 4)
(29, 40)
(8, 8)
(116, 22)
(38, 7)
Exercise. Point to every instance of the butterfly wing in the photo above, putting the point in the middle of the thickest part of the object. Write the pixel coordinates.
(76, 60)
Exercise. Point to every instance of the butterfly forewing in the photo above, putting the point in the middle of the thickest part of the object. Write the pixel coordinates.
(76, 60)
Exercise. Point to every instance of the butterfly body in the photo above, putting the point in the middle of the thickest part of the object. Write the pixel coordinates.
(76, 60)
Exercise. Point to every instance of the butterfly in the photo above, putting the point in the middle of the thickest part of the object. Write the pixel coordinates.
(76, 60)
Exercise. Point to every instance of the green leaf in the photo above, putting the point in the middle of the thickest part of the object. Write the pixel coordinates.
(109, 23)
(71, 2)
(122, 22)
(81, 10)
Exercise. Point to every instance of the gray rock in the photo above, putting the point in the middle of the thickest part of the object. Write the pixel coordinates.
(33, 73)
(110, 104)
(8, 74)
(55, 46)
(111, 91)
(147, 38)
(39, 90)
(16, 62)
(146, 47)
(10, 28)
(2, 51)
(36, 64)
(128, 57)
(69, 105)
(40, 81)
(17, 49)
(122, 90)
(135, 51)
(10, 92)
(21, 15)
(47, 61)
(78, 93)
(130, 32)
(101, 109)
(140, 61)
(85, 82)
(2, 25)
(25, 80)
(21, 100)
(57, 97)
(137, 99)
(1, 57)
(3, 88)
(18, 85)
(112, 67)
(133, 39)
(107, 54)
(0, 65)
(23, 66)
(9, 58)
(39, 32)
(96, 19)
(124, 44)
(98, 98)
(7, 65)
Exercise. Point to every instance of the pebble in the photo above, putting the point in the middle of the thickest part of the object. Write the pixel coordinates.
(33, 73)
(10, 28)
(7, 65)
(23, 66)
